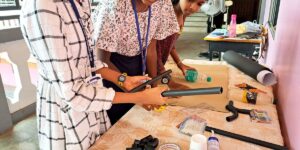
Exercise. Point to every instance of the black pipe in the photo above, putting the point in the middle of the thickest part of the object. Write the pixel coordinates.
(246, 139)
(149, 82)
(243, 111)
(235, 111)
(199, 91)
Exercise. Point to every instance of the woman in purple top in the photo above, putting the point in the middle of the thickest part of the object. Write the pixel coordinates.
(166, 47)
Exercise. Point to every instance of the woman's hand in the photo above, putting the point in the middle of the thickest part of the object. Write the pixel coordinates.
(184, 68)
(134, 81)
(153, 97)
(149, 107)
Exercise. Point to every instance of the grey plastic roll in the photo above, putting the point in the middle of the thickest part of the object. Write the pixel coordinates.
(258, 72)
(199, 91)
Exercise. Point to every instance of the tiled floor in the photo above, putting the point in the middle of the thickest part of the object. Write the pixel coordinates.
(23, 136)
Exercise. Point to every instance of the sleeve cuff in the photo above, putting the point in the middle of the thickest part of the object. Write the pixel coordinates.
(110, 94)
(99, 65)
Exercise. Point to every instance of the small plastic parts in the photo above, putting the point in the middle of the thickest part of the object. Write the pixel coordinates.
(192, 125)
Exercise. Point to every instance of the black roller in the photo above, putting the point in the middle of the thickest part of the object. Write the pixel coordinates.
(199, 91)
(249, 67)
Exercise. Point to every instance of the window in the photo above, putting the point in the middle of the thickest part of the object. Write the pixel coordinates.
(273, 15)
(9, 13)
(10, 4)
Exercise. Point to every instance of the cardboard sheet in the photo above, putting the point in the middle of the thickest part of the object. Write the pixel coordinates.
(216, 102)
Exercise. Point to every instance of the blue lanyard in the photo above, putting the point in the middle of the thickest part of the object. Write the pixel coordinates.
(89, 50)
(143, 51)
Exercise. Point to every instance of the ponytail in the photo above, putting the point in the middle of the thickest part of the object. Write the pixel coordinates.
(175, 2)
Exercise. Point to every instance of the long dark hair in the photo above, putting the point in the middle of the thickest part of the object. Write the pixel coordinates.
(175, 2)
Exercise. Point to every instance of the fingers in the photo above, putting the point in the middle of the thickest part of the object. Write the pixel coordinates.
(150, 107)
(147, 78)
(148, 86)
(143, 79)
(139, 79)
(147, 107)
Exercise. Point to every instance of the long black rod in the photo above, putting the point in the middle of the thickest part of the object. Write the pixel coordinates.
(246, 139)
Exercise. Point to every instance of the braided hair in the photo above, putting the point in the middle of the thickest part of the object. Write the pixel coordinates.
(175, 2)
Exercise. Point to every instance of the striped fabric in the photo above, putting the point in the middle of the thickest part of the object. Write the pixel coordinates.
(71, 114)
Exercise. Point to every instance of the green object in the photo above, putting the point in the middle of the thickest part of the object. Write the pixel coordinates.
(208, 79)
(191, 75)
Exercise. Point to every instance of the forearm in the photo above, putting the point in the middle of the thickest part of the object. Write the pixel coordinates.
(175, 56)
(105, 57)
(109, 74)
(127, 98)
(152, 59)
(160, 64)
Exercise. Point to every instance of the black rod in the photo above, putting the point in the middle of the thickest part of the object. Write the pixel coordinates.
(142, 86)
(246, 139)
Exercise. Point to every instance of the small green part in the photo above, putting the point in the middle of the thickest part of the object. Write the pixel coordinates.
(208, 79)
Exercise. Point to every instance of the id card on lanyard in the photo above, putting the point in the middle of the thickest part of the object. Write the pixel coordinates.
(143, 50)
(94, 78)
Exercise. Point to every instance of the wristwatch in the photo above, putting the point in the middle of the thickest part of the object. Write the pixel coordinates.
(121, 79)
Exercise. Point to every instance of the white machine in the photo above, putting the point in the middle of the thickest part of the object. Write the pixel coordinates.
(214, 7)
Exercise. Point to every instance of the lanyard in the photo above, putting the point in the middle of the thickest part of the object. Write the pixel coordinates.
(143, 51)
(89, 50)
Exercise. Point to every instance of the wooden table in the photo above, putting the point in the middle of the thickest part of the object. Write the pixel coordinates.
(138, 123)
(219, 44)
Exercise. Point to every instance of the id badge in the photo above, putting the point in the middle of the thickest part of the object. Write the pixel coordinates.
(93, 80)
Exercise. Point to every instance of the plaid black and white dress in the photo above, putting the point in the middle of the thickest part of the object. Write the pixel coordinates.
(71, 114)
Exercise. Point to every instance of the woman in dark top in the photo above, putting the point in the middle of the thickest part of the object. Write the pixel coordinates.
(166, 47)
(127, 30)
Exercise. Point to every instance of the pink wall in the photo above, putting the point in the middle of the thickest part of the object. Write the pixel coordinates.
(284, 58)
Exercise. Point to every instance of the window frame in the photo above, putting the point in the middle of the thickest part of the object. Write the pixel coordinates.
(16, 7)
(273, 16)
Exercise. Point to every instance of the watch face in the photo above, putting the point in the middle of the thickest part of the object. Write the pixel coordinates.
(122, 78)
